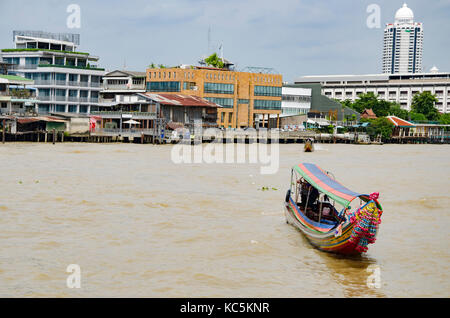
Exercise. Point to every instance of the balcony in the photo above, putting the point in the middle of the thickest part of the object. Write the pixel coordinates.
(83, 99)
(73, 83)
(113, 87)
(43, 82)
(61, 83)
(60, 98)
(84, 84)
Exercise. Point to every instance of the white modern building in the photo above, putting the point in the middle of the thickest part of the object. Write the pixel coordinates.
(65, 80)
(398, 88)
(295, 100)
(403, 44)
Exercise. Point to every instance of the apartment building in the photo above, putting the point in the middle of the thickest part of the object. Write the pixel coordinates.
(65, 79)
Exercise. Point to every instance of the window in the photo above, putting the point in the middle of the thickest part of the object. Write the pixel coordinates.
(224, 102)
(243, 101)
(31, 60)
(60, 108)
(267, 104)
(267, 91)
(217, 88)
(163, 86)
(189, 86)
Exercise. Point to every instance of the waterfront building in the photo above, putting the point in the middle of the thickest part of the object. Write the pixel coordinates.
(145, 112)
(122, 82)
(399, 88)
(248, 98)
(295, 100)
(403, 44)
(65, 79)
(16, 96)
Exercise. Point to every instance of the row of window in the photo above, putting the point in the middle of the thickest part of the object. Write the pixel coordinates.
(296, 98)
(219, 88)
(62, 77)
(47, 60)
(267, 91)
(224, 102)
(42, 108)
(267, 104)
(294, 111)
(163, 86)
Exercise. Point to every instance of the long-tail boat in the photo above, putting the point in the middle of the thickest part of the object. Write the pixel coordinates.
(332, 217)
(309, 146)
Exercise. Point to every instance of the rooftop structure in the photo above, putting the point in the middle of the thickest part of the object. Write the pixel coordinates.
(15, 95)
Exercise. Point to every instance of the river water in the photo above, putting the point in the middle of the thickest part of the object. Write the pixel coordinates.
(139, 225)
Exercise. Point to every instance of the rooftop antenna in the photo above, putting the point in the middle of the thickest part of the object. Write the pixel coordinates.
(124, 64)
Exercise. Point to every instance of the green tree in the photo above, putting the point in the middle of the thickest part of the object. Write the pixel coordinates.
(424, 104)
(214, 61)
(381, 109)
(366, 101)
(444, 119)
(152, 65)
(396, 110)
(380, 126)
(417, 116)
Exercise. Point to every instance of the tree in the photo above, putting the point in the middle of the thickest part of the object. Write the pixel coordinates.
(214, 61)
(366, 101)
(381, 109)
(396, 110)
(152, 65)
(444, 119)
(417, 116)
(380, 126)
(424, 104)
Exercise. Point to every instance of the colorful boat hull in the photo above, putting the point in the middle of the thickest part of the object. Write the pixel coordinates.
(342, 239)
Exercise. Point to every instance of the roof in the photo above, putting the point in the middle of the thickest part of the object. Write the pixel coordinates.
(26, 120)
(320, 180)
(179, 100)
(14, 79)
(398, 122)
(368, 113)
(117, 73)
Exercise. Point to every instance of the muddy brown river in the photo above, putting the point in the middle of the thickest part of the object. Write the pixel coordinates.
(140, 225)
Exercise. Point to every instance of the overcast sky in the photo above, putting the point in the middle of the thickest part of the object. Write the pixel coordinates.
(295, 37)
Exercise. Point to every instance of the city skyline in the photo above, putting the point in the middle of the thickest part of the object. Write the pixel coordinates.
(296, 38)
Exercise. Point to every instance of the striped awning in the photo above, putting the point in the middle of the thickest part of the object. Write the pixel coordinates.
(320, 180)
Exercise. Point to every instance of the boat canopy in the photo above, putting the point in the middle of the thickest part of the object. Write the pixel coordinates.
(320, 180)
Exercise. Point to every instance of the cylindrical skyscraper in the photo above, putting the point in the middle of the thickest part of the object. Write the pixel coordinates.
(403, 44)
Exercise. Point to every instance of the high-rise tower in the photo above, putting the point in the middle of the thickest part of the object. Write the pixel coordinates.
(403, 44)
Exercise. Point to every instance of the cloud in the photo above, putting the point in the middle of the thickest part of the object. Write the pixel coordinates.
(296, 37)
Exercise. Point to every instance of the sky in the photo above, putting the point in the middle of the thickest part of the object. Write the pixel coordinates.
(294, 37)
